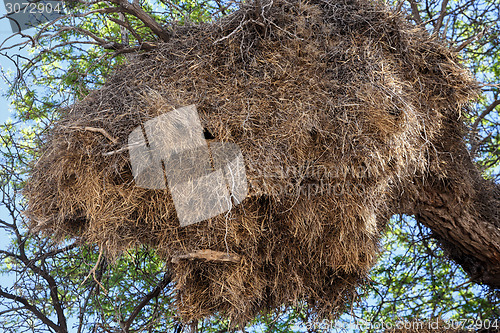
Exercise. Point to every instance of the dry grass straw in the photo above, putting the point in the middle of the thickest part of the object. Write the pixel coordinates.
(332, 103)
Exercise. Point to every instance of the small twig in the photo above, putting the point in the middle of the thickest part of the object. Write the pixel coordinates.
(115, 151)
(96, 130)
(399, 5)
(128, 147)
(92, 272)
(209, 255)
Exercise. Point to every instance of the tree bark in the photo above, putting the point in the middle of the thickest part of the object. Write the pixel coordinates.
(469, 235)
(461, 208)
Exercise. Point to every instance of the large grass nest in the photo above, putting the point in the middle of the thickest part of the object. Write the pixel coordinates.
(332, 103)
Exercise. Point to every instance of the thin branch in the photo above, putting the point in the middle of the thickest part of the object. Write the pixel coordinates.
(415, 13)
(124, 31)
(442, 14)
(475, 125)
(12, 310)
(62, 29)
(145, 46)
(480, 143)
(6, 224)
(33, 309)
(472, 39)
(10, 254)
(84, 308)
(125, 148)
(116, 151)
(484, 114)
(56, 251)
(92, 272)
(54, 293)
(155, 293)
(53, 22)
(445, 31)
(399, 5)
(127, 25)
(493, 85)
(106, 44)
(222, 9)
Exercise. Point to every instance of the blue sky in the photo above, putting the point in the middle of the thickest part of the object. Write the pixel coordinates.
(5, 32)
(5, 113)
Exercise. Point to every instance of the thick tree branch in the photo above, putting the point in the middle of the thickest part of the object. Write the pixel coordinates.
(461, 208)
(471, 239)
(136, 10)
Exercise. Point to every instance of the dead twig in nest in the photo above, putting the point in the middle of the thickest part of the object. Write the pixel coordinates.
(96, 130)
(209, 255)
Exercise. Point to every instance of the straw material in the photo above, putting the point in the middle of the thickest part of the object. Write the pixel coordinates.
(332, 103)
